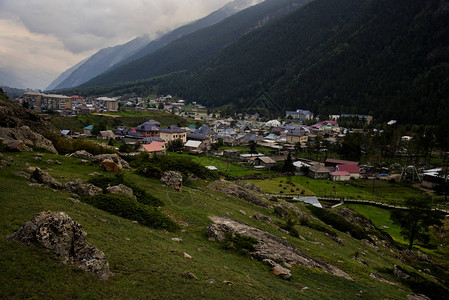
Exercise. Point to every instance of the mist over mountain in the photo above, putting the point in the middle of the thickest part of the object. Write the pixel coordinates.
(110, 57)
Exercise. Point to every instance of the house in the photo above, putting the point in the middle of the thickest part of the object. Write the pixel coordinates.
(129, 137)
(195, 146)
(149, 128)
(231, 153)
(318, 171)
(433, 177)
(154, 148)
(263, 162)
(173, 133)
(297, 136)
(299, 114)
(88, 129)
(340, 176)
(353, 170)
(106, 135)
(335, 162)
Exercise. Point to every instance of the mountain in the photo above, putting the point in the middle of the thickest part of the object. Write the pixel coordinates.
(199, 46)
(110, 57)
(64, 75)
(100, 62)
(215, 17)
(389, 59)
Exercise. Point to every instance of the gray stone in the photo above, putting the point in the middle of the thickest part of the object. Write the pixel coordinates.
(281, 271)
(173, 179)
(23, 174)
(28, 137)
(114, 157)
(237, 191)
(121, 189)
(63, 236)
(45, 178)
(83, 154)
(82, 189)
(110, 166)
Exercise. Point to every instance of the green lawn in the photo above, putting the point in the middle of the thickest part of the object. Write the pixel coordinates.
(358, 189)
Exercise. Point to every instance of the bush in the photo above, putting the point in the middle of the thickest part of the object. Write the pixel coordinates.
(141, 195)
(242, 244)
(338, 222)
(127, 208)
(64, 145)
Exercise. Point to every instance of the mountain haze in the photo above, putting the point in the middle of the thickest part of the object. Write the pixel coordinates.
(199, 46)
(110, 57)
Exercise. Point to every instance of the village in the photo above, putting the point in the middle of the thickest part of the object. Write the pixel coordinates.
(299, 143)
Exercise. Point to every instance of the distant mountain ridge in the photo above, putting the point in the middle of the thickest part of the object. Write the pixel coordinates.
(200, 45)
(110, 57)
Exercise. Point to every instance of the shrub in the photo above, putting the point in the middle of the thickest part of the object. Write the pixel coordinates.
(338, 222)
(240, 243)
(127, 208)
(64, 145)
(141, 195)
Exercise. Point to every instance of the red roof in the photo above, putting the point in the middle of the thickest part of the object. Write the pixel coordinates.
(340, 173)
(341, 162)
(349, 168)
(154, 146)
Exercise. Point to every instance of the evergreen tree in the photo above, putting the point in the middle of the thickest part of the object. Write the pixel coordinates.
(288, 166)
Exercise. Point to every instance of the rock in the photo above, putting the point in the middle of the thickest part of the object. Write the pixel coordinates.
(23, 174)
(211, 280)
(173, 179)
(417, 297)
(61, 235)
(26, 136)
(228, 282)
(237, 191)
(269, 246)
(262, 218)
(400, 274)
(15, 145)
(56, 162)
(381, 278)
(249, 186)
(281, 211)
(43, 177)
(5, 163)
(110, 166)
(187, 256)
(83, 154)
(31, 170)
(121, 189)
(281, 271)
(242, 212)
(192, 276)
(176, 240)
(114, 157)
(82, 189)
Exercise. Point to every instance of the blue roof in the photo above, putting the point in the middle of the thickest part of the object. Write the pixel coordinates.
(89, 127)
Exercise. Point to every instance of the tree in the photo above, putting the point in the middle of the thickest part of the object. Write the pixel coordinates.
(98, 127)
(175, 145)
(160, 106)
(288, 166)
(252, 147)
(416, 220)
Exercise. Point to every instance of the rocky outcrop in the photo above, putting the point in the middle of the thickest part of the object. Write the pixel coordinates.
(173, 179)
(121, 189)
(110, 166)
(249, 186)
(25, 135)
(82, 189)
(269, 246)
(63, 236)
(83, 154)
(15, 145)
(237, 191)
(45, 178)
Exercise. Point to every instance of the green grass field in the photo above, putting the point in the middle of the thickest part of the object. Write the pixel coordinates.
(148, 264)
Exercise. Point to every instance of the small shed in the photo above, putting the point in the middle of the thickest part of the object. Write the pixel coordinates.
(340, 176)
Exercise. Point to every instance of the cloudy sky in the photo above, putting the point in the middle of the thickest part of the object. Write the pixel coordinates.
(39, 39)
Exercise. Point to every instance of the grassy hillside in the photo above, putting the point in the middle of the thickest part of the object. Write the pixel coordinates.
(148, 264)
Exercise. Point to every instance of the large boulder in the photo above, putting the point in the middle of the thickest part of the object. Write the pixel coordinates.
(172, 179)
(114, 157)
(63, 236)
(121, 189)
(110, 166)
(28, 137)
(82, 189)
(15, 145)
(83, 154)
(45, 178)
(269, 247)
